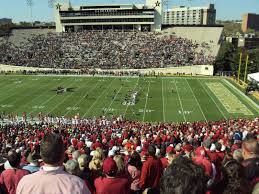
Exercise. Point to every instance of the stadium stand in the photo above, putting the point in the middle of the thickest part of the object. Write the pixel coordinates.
(199, 34)
(19, 35)
(103, 49)
(116, 156)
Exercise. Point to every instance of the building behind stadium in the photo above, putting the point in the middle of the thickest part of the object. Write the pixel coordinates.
(190, 15)
(250, 21)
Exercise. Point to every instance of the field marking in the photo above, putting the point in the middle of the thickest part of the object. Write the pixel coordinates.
(196, 101)
(5, 93)
(213, 100)
(146, 102)
(83, 97)
(163, 99)
(6, 105)
(112, 101)
(99, 97)
(125, 111)
(231, 102)
(237, 91)
(65, 97)
(147, 110)
(23, 97)
(50, 98)
(180, 101)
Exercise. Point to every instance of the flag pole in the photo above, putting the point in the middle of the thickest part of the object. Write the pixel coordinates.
(240, 61)
(245, 76)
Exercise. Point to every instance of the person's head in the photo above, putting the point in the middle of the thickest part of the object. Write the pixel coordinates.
(178, 148)
(101, 152)
(110, 167)
(206, 143)
(83, 161)
(170, 157)
(233, 169)
(75, 155)
(163, 151)
(250, 149)
(218, 146)
(135, 160)
(237, 155)
(233, 177)
(119, 162)
(70, 150)
(97, 155)
(190, 179)
(14, 158)
(72, 167)
(152, 150)
(52, 150)
(33, 158)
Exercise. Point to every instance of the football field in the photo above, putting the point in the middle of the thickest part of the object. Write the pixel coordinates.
(152, 99)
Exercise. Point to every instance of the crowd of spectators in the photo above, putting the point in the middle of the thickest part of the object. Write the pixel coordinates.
(117, 156)
(104, 49)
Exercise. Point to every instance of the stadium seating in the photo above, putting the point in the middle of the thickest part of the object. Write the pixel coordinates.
(207, 151)
(106, 50)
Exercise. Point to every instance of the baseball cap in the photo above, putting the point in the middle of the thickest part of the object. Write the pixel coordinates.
(187, 148)
(109, 166)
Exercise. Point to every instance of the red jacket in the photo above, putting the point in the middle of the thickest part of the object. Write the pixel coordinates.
(112, 185)
(151, 173)
(10, 179)
(205, 163)
(164, 161)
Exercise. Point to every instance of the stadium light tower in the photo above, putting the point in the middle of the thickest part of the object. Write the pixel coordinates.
(51, 3)
(30, 4)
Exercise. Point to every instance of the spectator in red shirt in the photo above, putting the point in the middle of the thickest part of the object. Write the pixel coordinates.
(80, 144)
(151, 171)
(110, 183)
(10, 177)
(201, 159)
(188, 150)
(97, 144)
(163, 158)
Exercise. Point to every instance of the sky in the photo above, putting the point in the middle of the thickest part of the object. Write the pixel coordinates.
(226, 9)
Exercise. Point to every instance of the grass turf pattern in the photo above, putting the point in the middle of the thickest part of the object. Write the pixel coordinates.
(174, 99)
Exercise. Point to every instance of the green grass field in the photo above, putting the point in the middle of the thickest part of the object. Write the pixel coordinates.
(192, 99)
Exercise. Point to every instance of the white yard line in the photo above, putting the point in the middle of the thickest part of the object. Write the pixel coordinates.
(180, 101)
(112, 101)
(24, 97)
(99, 97)
(82, 98)
(127, 104)
(243, 95)
(196, 100)
(146, 101)
(6, 92)
(163, 99)
(222, 113)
